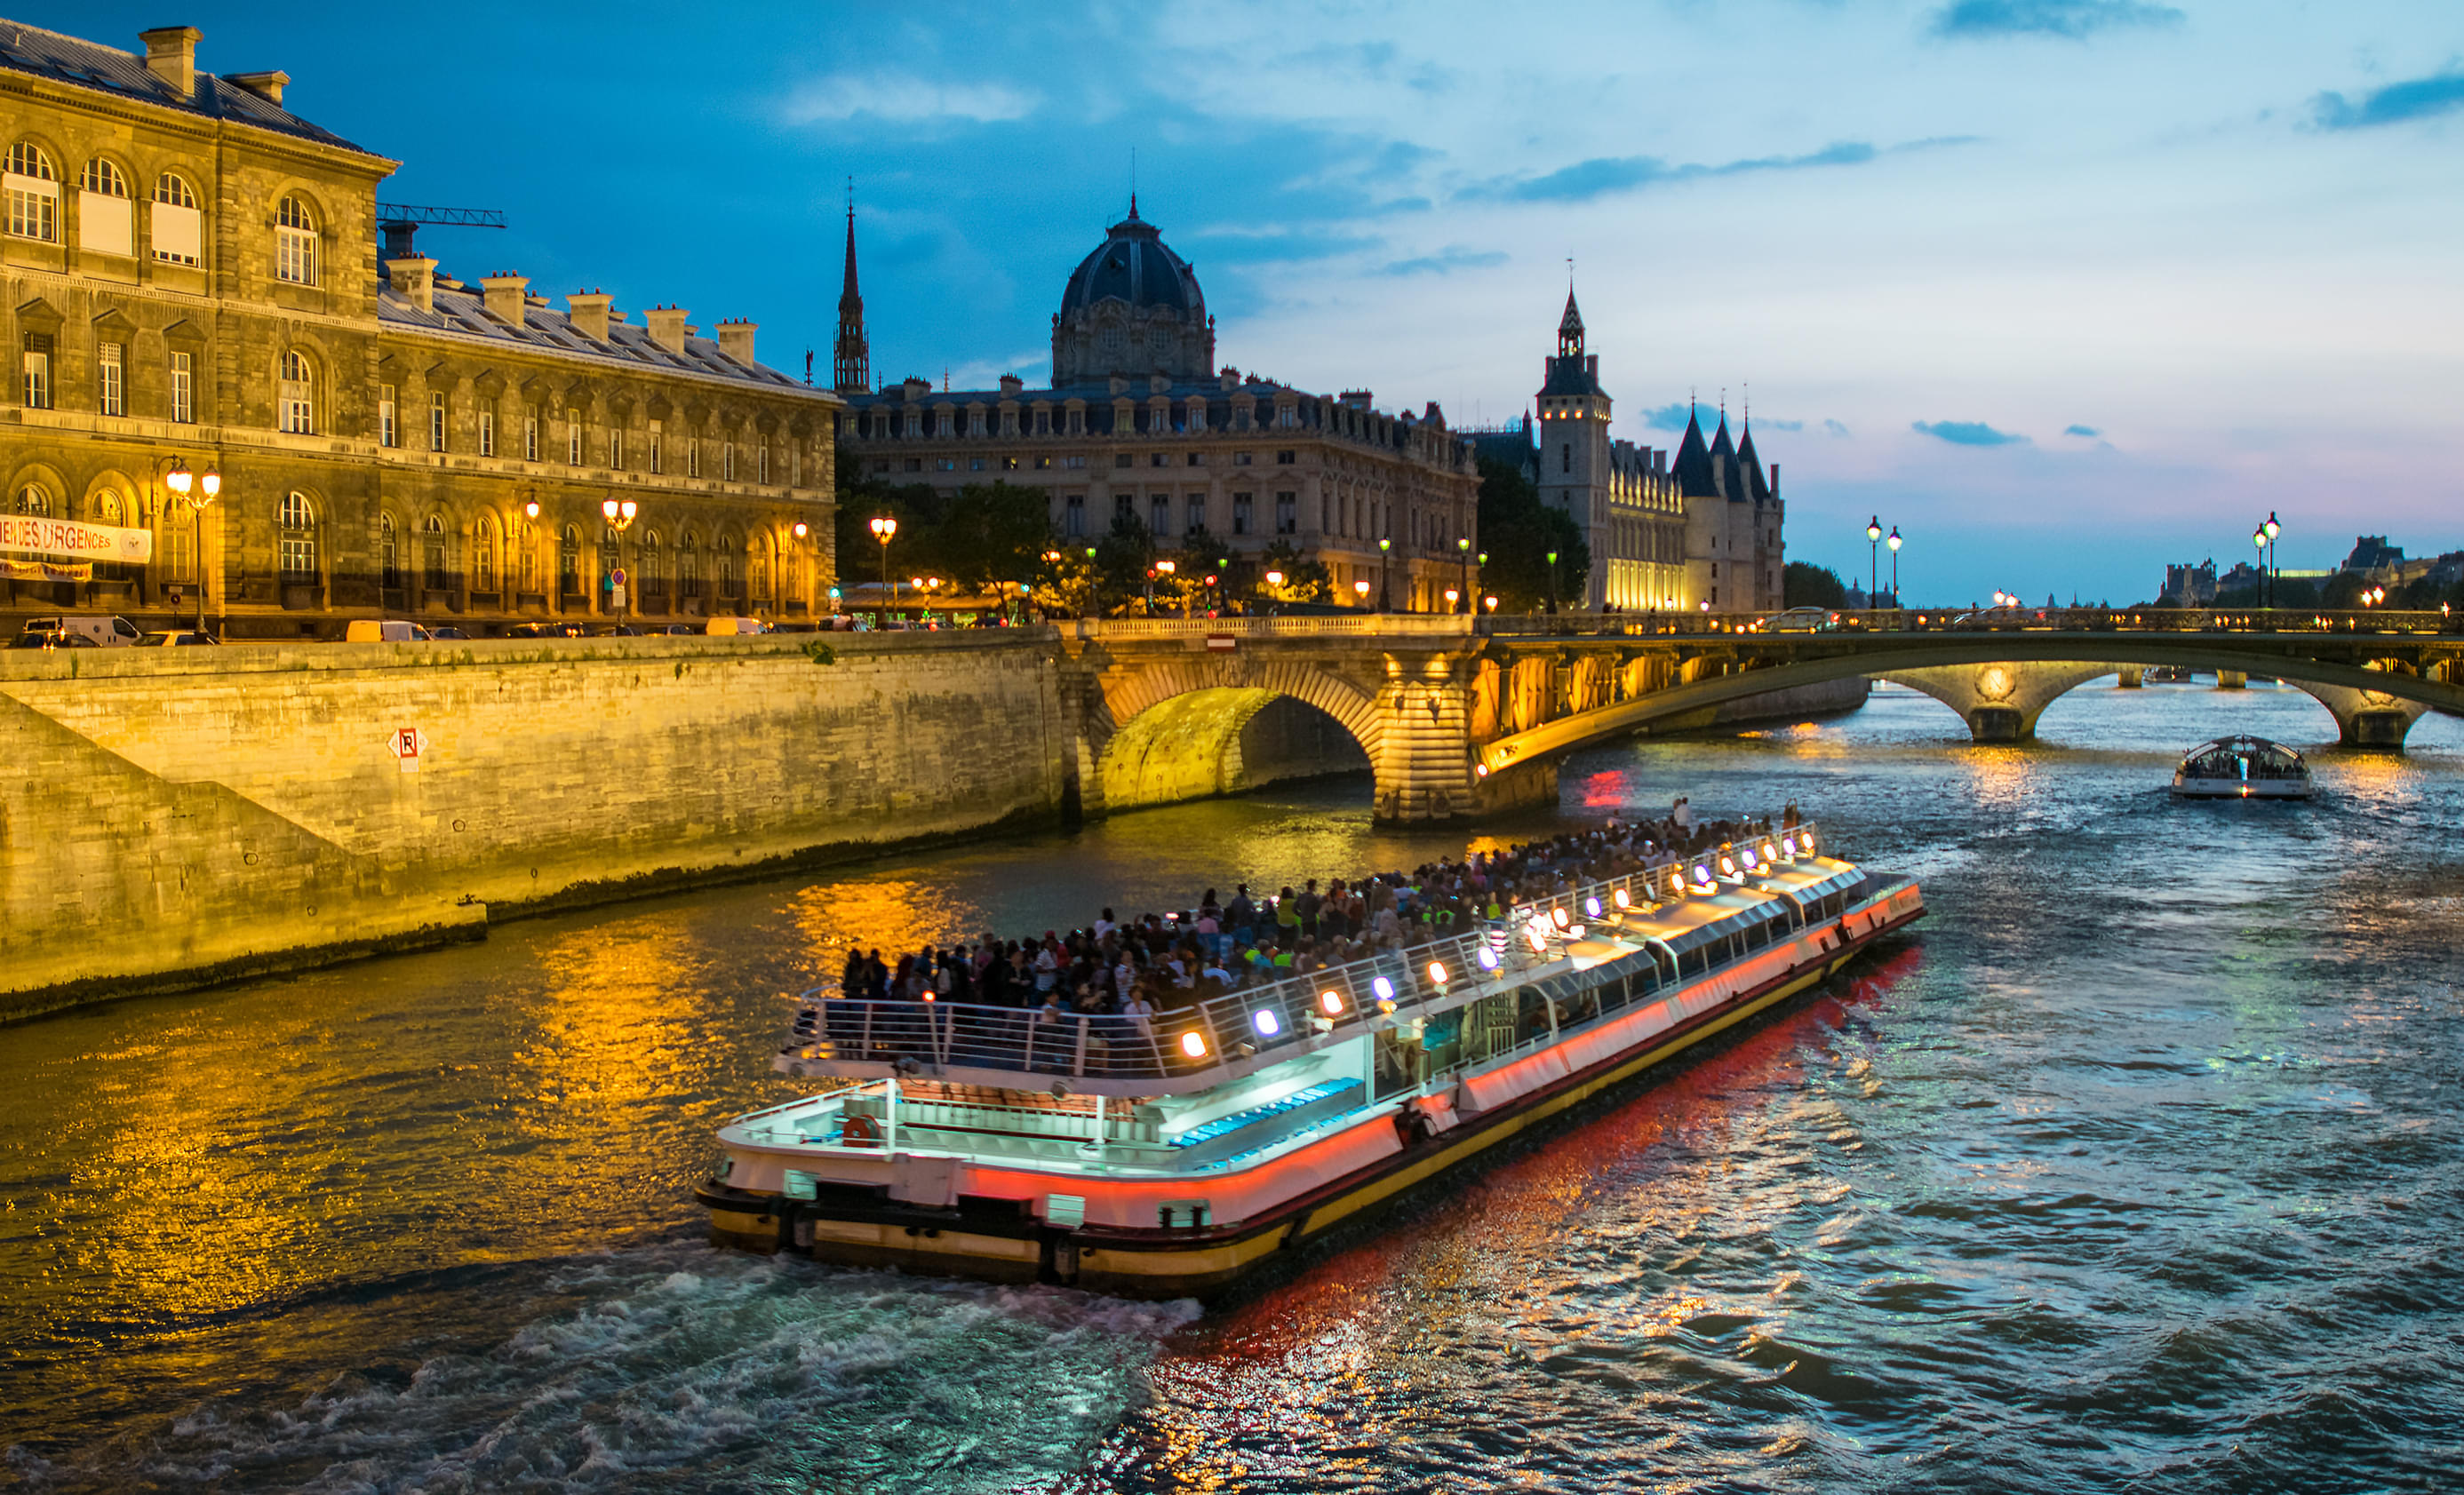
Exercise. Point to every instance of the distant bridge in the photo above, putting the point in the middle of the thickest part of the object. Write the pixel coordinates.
(1459, 717)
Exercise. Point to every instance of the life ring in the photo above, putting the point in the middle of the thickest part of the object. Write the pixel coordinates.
(859, 1131)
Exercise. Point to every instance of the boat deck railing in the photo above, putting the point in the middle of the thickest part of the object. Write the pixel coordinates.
(1270, 1021)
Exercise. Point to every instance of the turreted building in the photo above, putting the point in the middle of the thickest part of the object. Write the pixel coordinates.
(1140, 428)
(1701, 532)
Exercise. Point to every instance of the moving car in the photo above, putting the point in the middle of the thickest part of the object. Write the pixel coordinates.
(1802, 619)
(448, 631)
(33, 640)
(546, 630)
(720, 626)
(173, 638)
(384, 630)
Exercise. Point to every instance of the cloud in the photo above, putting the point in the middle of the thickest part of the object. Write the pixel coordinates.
(1602, 175)
(1453, 257)
(1965, 434)
(2089, 431)
(905, 98)
(1668, 417)
(2077, 19)
(1770, 424)
(1834, 428)
(2417, 98)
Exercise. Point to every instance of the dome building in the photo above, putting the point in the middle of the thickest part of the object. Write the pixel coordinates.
(1139, 428)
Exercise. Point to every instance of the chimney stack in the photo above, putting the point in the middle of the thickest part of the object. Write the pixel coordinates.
(735, 340)
(502, 294)
(414, 279)
(666, 324)
(588, 311)
(268, 86)
(1011, 384)
(171, 56)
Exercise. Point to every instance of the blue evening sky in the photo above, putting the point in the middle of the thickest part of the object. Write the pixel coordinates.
(2064, 289)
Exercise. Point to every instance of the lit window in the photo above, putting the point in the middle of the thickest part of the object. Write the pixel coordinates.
(179, 229)
(530, 437)
(436, 420)
(111, 380)
(487, 433)
(34, 190)
(692, 459)
(616, 450)
(34, 502)
(573, 438)
(295, 243)
(658, 452)
(763, 476)
(298, 542)
(434, 575)
(297, 410)
(389, 550)
(483, 556)
(727, 463)
(183, 389)
(388, 417)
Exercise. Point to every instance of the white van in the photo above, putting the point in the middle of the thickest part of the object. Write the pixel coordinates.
(108, 632)
(717, 626)
(384, 630)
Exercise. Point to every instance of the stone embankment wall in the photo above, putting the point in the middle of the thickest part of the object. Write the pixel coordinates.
(170, 817)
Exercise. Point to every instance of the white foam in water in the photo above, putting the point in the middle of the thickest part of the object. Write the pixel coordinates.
(687, 1370)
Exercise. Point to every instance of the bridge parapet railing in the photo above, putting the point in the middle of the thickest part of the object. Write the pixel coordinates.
(1385, 624)
(1986, 619)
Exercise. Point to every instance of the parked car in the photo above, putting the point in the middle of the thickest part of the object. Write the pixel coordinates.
(384, 630)
(622, 630)
(686, 629)
(546, 630)
(33, 640)
(718, 628)
(1802, 619)
(173, 638)
(448, 631)
(104, 630)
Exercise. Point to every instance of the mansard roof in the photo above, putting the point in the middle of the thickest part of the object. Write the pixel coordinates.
(546, 329)
(85, 64)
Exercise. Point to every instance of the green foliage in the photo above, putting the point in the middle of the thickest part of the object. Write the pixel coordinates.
(1518, 532)
(986, 532)
(1305, 580)
(820, 652)
(1805, 585)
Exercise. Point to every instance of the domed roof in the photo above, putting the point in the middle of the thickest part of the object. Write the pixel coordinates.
(1133, 265)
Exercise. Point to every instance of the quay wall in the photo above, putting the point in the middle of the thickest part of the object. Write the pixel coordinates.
(179, 816)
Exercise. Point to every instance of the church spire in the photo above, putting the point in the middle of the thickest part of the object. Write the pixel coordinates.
(851, 362)
(1570, 328)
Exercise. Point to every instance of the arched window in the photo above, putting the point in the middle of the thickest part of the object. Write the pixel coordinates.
(433, 574)
(568, 563)
(298, 541)
(648, 562)
(389, 550)
(298, 408)
(483, 556)
(34, 189)
(179, 229)
(295, 243)
(34, 502)
(758, 572)
(107, 508)
(688, 565)
(103, 177)
(106, 222)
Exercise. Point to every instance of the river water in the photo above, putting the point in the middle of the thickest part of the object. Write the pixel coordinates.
(2140, 1167)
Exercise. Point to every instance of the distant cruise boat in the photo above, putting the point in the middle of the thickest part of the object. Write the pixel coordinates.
(2242, 768)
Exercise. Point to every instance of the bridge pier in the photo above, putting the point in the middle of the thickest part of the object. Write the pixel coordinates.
(2365, 718)
(2134, 677)
(2231, 680)
(2000, 703)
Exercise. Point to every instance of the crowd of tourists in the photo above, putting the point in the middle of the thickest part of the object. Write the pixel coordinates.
(1156, 962)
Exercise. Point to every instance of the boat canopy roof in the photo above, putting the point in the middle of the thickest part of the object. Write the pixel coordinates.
(2243, 745)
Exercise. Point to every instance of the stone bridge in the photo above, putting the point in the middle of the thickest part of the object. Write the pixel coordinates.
(1458, 718)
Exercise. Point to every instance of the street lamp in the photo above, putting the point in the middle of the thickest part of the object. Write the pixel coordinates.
(2273, 530)
(1553, 582)
(1166, 569)
(1452, 596)
(1384, 545)
(1462, 568)
(2259, 538)
(882, 529)
(619, 514)
(1894, 543)
(1872, 556)
(1490, 602)
(196, 492)
(1360, 588)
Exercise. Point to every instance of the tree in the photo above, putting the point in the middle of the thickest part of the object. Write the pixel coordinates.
(1305, 580)
(1805, 585)
(1517, 532)
(991, 533)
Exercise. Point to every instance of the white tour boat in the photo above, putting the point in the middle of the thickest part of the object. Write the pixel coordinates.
(1176, 1155)
(2242, 768)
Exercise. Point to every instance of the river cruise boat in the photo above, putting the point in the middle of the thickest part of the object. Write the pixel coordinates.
(1174, 1155)
(2242, 768)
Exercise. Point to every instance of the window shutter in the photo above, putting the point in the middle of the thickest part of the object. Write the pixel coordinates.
(179, 234)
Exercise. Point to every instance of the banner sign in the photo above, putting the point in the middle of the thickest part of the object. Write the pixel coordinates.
(72, 541)
(45, 570)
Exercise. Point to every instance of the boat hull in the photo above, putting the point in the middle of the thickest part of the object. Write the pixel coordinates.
(2234, 789)
(1203, 1261)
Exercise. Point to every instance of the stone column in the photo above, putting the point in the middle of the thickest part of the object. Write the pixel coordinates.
(1423, 763)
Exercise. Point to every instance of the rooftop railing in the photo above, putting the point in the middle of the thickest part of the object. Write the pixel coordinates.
(1213, 1038)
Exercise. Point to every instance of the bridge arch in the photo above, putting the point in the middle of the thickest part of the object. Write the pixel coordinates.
(1190, 730)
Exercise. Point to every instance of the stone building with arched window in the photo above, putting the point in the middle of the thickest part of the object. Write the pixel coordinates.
(191, 277)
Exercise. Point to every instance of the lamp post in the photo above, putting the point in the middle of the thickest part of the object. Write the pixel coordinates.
(1384, 545)
(2259, 538)
(1462, 571)
(1894, 543)
(1166, 569)
(882, 529)
(196, 492)
(1274, 582)
(619, 514)
(2273, 530)
(1873, 557)
(800, 531)
(1553, 582)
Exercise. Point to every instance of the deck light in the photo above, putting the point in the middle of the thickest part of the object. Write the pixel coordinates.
(1537, 932)
(1559, 918)
(1437, 972)
(1193, 1043)
(1728, 867)
(1266, 1022)
(1592, 907)
(1788, 844)
(1623, 899)
(1385, 990)
(1702, 873)
(1488, 958)
(1331, 1001)
(1769, 854)
(1748, 854)
(1805, 838)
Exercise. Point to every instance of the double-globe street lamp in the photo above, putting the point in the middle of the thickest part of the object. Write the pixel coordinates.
(196, 492)
(883, 528)
(619, 514)
(2264, 537)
